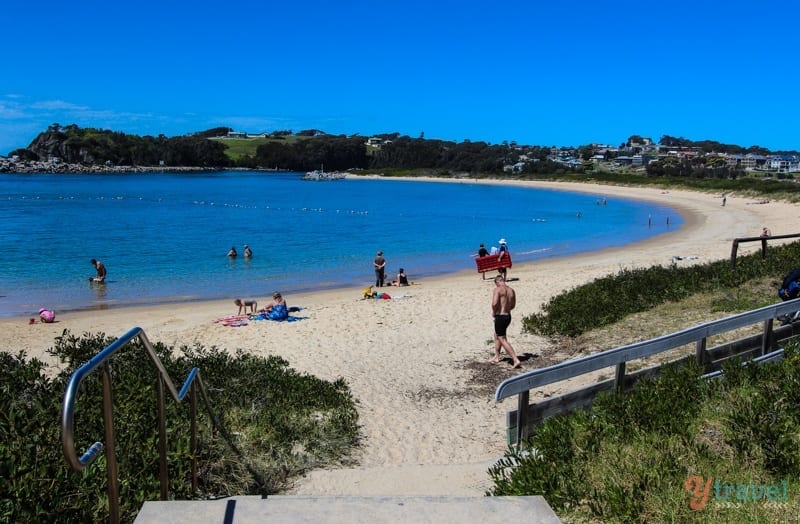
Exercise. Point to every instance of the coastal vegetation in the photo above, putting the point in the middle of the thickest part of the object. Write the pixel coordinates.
(676, 449)
(673, 161)
(609, 299)
(272, 424)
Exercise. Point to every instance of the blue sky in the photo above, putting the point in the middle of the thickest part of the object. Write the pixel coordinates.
(562, 73)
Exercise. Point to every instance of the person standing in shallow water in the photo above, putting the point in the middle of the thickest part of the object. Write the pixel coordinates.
(100, 269)
(380, 269)
(504, 300)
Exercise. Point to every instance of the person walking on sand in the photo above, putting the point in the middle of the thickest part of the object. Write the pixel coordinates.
(100, 269)
(483, 252)
(503, 253)
(504, 299)
(380, 269)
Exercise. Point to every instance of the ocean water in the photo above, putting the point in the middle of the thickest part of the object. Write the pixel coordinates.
(164, 237)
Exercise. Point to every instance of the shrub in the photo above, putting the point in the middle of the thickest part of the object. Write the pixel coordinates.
(609, 299)
(626, 458)
(279, 424)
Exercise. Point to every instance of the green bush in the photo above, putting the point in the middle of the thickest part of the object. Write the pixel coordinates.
(627, 458)
(609, 299)
(278, 423)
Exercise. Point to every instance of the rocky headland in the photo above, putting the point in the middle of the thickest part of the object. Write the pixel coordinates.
(36, 166)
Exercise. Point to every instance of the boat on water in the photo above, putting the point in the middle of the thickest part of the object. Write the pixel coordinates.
(320, 175)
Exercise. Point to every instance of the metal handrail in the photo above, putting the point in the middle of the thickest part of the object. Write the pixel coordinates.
(522, 384)
(101, 360)
(579, 366)
(764, 239)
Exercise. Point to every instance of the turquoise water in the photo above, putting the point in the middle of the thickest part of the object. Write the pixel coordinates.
(164, 237)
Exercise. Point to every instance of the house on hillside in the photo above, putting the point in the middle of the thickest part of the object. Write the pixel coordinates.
(783, 164)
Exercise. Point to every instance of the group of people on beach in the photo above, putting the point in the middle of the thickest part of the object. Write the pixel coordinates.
(504, 299)
(275, 310)
(379, 264)
(501, 253)
(48, 316)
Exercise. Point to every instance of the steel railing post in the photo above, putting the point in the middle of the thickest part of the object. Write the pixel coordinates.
(111, 454)
(193, 437)
(162, 439)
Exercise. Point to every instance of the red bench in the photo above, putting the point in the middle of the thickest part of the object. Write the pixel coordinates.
(493, 262)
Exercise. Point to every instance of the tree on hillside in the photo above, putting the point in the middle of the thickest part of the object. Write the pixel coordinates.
(213, 132)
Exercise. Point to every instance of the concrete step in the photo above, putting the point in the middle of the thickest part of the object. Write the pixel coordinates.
(350, 510)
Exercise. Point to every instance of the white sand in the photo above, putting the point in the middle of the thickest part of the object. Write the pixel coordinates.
(427, 429)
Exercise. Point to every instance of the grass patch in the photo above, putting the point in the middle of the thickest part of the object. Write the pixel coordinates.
(610, 299)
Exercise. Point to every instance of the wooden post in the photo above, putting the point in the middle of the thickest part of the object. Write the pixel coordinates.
(734, 249)
(701, 352)
(619, 379)
(522, 415)
(766, 339)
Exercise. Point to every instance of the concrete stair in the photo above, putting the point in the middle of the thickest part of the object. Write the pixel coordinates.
(350, 510)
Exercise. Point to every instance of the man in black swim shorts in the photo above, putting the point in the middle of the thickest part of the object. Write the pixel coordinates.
(501, 323)
(503, 302)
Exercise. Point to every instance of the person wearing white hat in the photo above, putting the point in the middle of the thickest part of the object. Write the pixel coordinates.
(247, 251)
(503, 253)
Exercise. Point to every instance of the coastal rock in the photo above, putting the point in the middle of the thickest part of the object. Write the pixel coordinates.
(8, 165)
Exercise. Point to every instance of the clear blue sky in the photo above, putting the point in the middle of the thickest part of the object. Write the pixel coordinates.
(562, 73)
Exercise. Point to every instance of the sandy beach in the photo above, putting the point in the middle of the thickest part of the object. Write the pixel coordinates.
(415, 363)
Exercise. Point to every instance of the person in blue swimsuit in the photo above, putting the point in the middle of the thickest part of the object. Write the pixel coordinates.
(277, 309)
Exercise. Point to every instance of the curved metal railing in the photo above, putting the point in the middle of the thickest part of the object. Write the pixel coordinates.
(101, 361)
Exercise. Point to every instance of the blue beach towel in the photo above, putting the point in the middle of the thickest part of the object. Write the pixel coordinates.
(280, 313)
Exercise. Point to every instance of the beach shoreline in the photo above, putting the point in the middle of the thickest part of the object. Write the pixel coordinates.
(416, 363)
(324, 240)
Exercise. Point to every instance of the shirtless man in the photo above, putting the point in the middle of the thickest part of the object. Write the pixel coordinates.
(503, 302)
(101, 271)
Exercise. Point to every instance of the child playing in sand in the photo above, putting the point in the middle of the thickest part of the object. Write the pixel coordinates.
(47, 316)
(244, 304)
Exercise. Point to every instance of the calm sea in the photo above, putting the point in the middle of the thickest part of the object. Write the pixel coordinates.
(164, 237)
